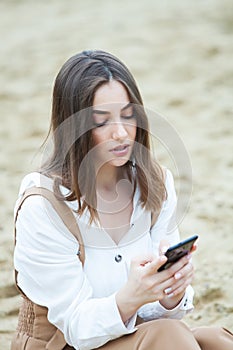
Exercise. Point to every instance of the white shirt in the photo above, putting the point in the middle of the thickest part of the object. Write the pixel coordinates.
(81, 300)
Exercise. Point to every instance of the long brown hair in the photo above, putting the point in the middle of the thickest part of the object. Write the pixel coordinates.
(71, 129)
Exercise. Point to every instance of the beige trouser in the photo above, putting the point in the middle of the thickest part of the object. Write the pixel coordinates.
(167, 334)
(154, 335)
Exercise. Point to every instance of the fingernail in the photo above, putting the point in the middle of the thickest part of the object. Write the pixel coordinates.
(163, 258)
(167, 290)
(164, 249)
(177, 275)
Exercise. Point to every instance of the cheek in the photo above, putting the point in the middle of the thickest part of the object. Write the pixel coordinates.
(95, 138)
(100, 143)
(98, 137)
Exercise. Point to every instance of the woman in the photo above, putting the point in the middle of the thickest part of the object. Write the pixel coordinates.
(102, 168)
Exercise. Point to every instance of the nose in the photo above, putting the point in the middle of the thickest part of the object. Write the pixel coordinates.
(119, 131)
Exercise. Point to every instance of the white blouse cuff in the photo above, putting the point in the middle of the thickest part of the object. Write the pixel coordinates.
(155, 310)
(130, 324)
(127, 327)
(95, 334)
(184, 306)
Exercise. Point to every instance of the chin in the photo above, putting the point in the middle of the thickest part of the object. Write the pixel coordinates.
(118, 162)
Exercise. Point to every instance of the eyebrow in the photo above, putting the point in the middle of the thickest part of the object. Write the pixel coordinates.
(98, 111)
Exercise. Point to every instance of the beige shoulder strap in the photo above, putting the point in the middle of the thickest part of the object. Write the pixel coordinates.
(62, 210)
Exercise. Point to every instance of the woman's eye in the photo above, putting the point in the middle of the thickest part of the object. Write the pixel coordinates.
(128, 116)
(98, 125)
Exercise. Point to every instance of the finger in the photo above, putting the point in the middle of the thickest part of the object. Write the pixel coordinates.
(174, 268)
(154, 265)
(181, 288)
(180, 278)
(194, 248)
(163, 246)
(180, 285)
(180, 281)
(142, 260)
(168, 286)
(184, 271)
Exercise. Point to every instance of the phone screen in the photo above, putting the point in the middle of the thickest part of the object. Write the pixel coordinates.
(177, 251)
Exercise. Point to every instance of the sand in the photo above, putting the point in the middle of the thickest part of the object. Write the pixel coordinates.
(181, 55)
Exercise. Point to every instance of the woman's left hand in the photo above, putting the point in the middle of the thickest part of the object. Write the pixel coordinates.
(181, 279)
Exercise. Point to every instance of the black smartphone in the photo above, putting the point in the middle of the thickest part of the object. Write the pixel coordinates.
(177, 251)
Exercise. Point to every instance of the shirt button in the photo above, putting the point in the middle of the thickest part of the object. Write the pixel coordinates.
(118, 258)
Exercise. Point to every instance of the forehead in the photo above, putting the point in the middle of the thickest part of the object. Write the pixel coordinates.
(111, 94)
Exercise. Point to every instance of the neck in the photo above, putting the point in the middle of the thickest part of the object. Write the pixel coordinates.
(107, 178)
(114, 191)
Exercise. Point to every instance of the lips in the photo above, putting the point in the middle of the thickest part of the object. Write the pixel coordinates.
(120, 150)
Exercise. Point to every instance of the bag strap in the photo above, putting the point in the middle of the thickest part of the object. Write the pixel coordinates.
(62, 210)
(65, 214)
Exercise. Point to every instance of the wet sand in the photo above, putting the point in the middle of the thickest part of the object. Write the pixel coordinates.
(181, 56)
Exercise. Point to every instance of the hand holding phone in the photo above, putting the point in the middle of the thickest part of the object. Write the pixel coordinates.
(177, 251)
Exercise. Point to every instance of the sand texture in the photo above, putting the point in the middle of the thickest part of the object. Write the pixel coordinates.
(181, 54)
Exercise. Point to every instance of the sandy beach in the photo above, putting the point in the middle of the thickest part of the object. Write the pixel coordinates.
(180, 53)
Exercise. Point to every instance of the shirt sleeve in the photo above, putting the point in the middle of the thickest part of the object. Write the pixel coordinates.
(166, 228)
(51, 275)
(152, 311)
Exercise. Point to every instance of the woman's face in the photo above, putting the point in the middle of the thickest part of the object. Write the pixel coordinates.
(114, 124)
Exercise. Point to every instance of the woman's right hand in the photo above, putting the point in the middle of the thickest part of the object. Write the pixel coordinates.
(145, 284)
